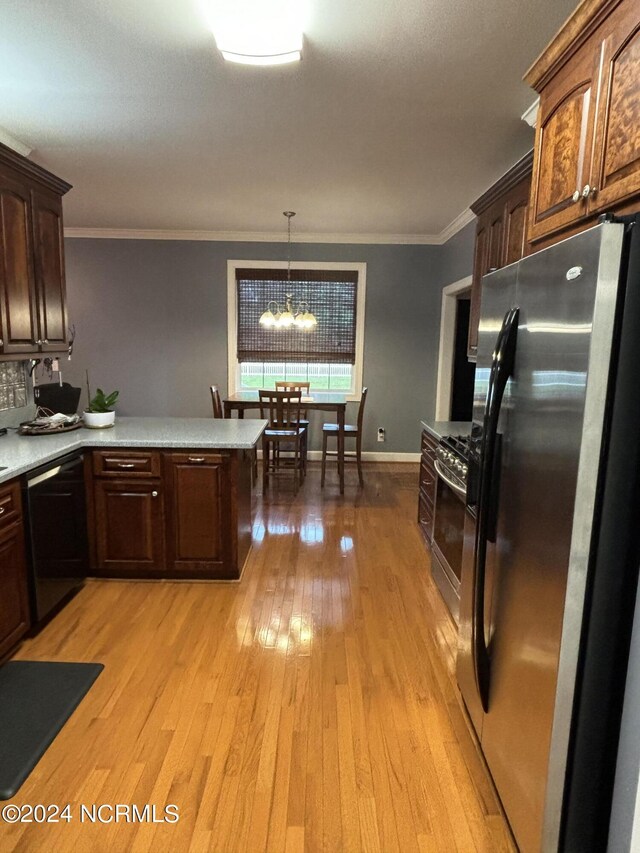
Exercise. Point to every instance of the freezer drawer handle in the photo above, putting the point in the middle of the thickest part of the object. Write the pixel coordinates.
(501, 369)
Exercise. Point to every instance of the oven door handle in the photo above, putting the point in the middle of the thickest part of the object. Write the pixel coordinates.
(459, 490)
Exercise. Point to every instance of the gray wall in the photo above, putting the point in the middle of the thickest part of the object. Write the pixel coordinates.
(457, 255)
(151, 320)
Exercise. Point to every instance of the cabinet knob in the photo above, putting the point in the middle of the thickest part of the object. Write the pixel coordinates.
(593, 191)
(586, 190)
(576, 195)
(1, 342)
(45, 341)
(39, 342)
(154, 494)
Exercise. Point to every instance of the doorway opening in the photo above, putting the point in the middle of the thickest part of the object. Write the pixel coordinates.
(456, 374)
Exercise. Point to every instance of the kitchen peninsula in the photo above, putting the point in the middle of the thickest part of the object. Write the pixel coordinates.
(166, 498)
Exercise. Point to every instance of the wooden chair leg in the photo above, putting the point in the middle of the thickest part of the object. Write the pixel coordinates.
(324, 457)
(265, 464)
(359, 458)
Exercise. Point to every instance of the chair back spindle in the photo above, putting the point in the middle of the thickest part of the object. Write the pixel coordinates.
(216, 401)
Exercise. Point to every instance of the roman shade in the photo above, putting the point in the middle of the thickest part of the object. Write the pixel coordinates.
(332, 297)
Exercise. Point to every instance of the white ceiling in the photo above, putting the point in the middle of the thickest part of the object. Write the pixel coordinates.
(400, 114)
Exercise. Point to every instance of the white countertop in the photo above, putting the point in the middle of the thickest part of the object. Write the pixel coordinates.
(21, 453)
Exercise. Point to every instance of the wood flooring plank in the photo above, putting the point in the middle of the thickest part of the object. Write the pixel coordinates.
(310, 707)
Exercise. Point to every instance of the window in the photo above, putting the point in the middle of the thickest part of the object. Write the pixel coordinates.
(329, 356)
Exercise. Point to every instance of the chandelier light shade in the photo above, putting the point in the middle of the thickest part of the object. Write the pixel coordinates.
(257, 32)
(299, 316)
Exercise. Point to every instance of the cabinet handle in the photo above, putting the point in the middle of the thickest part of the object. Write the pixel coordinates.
(126, 465)
(154, 494)
(196, 458)
(2, 510)
(576, 195)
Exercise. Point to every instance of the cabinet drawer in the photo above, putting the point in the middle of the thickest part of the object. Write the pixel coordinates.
(10, 504)
(428, 481)
(428, 444)
(124, 463)
(425, 518)
(197, 457)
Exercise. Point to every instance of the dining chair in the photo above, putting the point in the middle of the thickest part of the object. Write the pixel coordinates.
(216, 401)
(219, 413)
(331, 431)
(284, 433)
(303, 388)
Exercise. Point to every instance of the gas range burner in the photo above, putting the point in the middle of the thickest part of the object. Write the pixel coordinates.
(453, 455)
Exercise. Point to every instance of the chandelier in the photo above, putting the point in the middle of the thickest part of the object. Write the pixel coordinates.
(290, 314)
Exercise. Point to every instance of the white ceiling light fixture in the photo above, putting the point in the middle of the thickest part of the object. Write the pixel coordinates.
(258, 32)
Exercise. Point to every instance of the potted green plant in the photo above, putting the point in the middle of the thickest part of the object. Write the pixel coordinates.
(99, 413)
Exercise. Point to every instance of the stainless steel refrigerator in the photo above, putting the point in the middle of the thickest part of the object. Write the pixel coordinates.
(551, 542)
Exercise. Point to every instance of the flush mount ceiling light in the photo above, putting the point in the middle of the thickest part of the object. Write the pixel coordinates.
(258, 32)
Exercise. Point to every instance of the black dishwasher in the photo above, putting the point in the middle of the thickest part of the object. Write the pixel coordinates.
(56, 515)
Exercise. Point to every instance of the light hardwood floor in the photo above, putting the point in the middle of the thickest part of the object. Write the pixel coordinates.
(310, 707)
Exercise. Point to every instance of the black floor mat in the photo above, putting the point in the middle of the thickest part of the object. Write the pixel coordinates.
(36, 700)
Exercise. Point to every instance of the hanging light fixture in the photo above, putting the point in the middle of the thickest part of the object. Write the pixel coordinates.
(300, 316)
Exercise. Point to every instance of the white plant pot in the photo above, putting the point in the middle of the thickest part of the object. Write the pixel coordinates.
(98, 420)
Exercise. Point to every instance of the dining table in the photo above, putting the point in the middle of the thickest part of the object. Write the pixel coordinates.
(317, 401)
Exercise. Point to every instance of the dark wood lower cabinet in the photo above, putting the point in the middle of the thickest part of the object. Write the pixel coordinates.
(199, 514)
(427, 485)
(188, 515)
(129, 523)
(14, 603)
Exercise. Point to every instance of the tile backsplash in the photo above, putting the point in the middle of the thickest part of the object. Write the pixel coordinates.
(13, 385)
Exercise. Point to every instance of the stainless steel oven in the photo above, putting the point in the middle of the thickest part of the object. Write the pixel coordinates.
(448, 525)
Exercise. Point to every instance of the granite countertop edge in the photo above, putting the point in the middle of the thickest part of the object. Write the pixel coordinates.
(20, 453)
(439, 429)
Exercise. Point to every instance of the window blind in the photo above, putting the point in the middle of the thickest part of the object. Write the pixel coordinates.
(331, 296)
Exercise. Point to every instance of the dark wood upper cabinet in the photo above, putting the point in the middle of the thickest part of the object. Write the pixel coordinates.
(32, 284)
(17, 278)
(14, 603)
(501, 236)
(48, 239)
(587, 149)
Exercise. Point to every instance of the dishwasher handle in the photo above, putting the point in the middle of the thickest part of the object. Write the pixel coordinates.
(54, 471)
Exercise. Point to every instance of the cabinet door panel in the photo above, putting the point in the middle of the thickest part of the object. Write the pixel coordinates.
(561, 173)
(515, 222)
(48, 239)
(14, 608)
(616, 172)
(17, 281)
(480, 266)
(129, 526)
(199, 522)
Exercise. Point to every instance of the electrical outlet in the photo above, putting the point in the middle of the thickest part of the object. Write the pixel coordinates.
(380, 433)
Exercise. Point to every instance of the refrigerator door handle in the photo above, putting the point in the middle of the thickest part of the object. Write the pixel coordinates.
(501, 369)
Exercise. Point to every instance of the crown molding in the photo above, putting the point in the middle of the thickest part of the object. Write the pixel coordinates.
(456, 225)
(273, 236)
(249, 236)
(11, 142)
(530, 115)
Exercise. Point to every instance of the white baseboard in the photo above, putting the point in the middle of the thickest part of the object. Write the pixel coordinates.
(368, 456)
